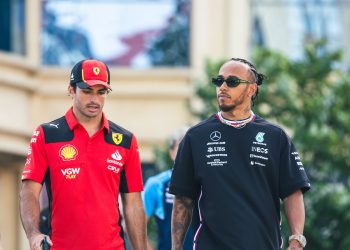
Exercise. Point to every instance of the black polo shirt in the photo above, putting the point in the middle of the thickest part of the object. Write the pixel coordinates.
(238, 178)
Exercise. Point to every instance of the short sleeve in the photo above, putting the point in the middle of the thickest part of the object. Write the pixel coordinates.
(37, 162)
(292, 172)
(183, 176)
(131, 177)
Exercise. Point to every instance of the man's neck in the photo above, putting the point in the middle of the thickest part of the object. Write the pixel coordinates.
(91, 124)
(237, 114)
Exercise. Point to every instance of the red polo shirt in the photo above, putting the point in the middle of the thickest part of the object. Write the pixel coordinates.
(84, 176)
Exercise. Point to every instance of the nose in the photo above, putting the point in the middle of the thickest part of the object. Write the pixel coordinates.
(223, 85)
(94, 96)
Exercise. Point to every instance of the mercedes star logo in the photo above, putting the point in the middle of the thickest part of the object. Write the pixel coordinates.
(215, 136)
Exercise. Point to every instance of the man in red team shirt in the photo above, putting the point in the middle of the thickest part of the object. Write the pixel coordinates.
(86, 161)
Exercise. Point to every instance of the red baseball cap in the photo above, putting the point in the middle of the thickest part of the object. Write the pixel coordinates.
(88, 73)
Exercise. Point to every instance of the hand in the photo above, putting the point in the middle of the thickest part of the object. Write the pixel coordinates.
(36, 241)
(294, 245)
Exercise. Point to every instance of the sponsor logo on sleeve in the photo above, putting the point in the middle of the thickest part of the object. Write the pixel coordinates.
(54, 125)
(34, 137)
(298, 160)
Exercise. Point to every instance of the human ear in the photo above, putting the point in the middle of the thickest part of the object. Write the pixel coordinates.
(70, 91)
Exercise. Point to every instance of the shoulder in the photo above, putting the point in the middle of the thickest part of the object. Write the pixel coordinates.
(59, 123)
(273, 127)
(57, 131)
(115, 128)
(203, 125)
(118, 135)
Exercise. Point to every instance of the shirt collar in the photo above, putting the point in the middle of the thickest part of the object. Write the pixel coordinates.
(73, 122)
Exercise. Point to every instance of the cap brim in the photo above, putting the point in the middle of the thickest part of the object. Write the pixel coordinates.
(90, 83)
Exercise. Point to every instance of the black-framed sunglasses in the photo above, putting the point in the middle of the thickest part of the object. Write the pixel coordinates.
(231, 81)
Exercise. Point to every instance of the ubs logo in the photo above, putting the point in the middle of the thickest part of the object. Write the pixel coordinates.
(215, 136)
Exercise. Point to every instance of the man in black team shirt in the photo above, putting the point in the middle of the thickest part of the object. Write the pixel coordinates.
(232, 170)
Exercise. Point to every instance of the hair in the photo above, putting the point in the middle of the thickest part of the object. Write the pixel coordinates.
(257, 77)
(74, 86)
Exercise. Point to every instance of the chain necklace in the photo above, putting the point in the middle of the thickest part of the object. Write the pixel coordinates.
(237, 123)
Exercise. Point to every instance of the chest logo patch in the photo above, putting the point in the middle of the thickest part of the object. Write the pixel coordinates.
(117, 138)
(96, 70)
(260, 137)
(117, 156)
(68, 152)
(215, 136)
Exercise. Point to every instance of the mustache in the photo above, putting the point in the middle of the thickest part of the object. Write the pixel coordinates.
(223, 94)
(92, 104)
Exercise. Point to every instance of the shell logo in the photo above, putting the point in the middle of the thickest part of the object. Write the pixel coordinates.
(68, 152)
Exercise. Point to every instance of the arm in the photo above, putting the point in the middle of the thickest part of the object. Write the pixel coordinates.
(181, 218)
(135, 219)
(295, 213)
(30, 213)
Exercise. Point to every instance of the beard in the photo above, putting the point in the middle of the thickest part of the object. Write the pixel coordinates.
(83, 109)
(232, 106)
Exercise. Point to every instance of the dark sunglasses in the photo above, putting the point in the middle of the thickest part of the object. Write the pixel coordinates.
(231, 81)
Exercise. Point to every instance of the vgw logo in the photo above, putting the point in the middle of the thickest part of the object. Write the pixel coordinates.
(70, 173)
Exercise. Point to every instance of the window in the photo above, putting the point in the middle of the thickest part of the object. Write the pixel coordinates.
(134, 33)
(12, 16)
(286, 25)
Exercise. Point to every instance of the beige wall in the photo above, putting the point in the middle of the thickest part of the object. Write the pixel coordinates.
(150, 103)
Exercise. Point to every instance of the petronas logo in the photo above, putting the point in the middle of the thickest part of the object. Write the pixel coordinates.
(260, 137)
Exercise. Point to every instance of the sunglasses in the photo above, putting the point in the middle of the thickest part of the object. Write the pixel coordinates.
(231, 81)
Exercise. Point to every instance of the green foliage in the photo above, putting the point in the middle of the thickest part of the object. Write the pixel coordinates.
(310, 99)
(152, 233)
(328, 217)
(162, 158)
(205, 90)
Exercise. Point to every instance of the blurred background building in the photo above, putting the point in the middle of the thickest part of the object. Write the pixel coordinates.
(156, 49)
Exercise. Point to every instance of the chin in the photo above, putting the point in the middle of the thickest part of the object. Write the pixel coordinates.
(226, 108)
(91, 114)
